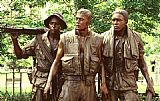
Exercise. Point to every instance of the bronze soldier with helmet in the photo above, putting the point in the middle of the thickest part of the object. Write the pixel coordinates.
(43, 48)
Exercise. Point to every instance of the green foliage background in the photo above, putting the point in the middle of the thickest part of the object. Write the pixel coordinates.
(144, 17)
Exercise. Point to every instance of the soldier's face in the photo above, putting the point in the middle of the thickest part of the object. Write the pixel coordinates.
(82, 22)
(54, 25)
(118, 22)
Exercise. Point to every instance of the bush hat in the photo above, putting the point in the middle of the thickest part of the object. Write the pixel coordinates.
(59, 16)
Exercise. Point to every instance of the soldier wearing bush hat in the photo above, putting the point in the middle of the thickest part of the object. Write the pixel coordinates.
(57, 15)
(44, 48)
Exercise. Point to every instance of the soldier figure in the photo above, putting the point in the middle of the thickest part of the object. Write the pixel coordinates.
(44, 48)
(80, 52)
(123, 55)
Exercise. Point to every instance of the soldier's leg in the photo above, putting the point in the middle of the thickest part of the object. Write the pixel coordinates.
(113, 95)
(129, 96)
(70, 91)
(37, 95)
(88, 93)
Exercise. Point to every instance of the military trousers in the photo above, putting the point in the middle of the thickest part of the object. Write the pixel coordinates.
(129, 95)
(38, 96)
(77, 91)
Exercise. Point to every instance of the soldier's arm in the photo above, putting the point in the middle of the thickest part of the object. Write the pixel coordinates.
(54, 66)
(17, 50)
(104, 88)
(20, 53)
(143, 67)
(102, 67)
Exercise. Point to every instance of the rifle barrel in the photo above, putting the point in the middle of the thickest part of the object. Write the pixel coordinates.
(27, 31)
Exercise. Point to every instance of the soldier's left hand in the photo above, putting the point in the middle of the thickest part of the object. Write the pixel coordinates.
(151, 89)
(46, 89)
(104, 89)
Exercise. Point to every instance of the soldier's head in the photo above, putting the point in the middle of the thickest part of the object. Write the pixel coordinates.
(119, 19)
(83, 19)
(55, 22)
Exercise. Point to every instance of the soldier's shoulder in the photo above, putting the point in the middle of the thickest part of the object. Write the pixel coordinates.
(68, 33)
(137, 35)
(105, 33)
(96, 35)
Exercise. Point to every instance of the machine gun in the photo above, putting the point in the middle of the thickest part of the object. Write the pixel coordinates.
(27, 31)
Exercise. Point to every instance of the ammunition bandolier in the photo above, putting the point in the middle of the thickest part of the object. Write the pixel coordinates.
(44, 52)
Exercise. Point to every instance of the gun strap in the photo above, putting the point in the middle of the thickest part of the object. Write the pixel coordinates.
(44, 48)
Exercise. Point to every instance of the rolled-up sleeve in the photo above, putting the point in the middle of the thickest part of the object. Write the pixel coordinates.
(29, 49)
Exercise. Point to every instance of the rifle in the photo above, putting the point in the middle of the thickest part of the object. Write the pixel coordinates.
(27, 31)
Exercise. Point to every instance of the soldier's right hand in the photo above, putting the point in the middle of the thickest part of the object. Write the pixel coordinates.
(14, 35)
(150, 89)
(46, 89)
(104, 89)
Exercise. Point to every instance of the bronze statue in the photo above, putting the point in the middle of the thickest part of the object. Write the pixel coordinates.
(80, 52)
(123, 56)
(44, 48)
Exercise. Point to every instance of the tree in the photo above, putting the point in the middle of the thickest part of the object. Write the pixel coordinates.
(102, 15)
(27, 14)
(143, 12)
(144, 18)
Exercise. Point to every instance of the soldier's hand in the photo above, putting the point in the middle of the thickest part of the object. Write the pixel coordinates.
(151, 89)
(46, 89)
(104, 89)
(14, 35)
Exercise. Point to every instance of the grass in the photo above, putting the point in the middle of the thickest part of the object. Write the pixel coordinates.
(25, 96)
(27, 87)
(142, 88)
(8, 95)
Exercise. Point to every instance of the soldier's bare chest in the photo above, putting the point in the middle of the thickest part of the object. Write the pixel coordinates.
(82, 44)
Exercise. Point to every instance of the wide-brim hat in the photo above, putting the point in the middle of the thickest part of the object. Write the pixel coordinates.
(59, 16)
